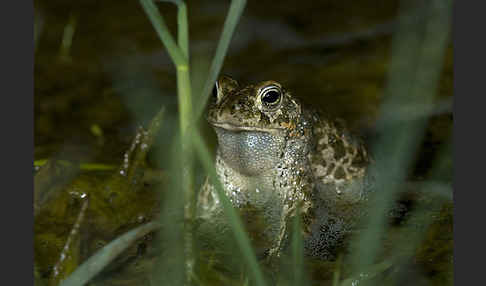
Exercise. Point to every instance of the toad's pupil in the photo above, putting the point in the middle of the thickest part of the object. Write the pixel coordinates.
(271, 96)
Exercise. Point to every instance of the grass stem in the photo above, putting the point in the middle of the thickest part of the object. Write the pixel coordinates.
(232, 19)
(233, 217)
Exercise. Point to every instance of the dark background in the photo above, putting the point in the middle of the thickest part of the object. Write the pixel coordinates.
(116, 73)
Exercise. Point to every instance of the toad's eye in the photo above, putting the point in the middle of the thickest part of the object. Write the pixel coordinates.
(215, 91)
(271, 96)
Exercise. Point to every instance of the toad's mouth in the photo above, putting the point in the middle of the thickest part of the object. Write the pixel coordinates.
(240, 128)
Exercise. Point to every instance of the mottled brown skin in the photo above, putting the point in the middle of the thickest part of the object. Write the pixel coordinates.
(277, 155)
(240, 108)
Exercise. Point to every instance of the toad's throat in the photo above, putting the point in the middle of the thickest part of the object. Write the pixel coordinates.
(250, 152)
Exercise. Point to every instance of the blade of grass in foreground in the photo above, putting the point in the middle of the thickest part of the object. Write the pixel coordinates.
(415, 69)
(367, 275)
(297, 251)
(180, 56)
(160, 27)
(172, 263)
(179, 53)
(411, 236)
(234, 13)
(234, 220)
(93, 265)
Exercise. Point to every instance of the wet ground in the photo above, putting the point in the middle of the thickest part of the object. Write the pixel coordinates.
(115, 74)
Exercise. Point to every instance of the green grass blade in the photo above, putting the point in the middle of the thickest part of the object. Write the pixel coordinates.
(414, 73)
(93, 265)
(234, 14)
(234, 220)
(337, 271)
(183, 29)
(171, 268)
(67, 38)
(82, 166)
(297, 251)
(182, 26)
(425, 212)
(158, 22)
(367, 275)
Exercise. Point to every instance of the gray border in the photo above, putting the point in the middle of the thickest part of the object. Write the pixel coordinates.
(16, 28)
(468, 142)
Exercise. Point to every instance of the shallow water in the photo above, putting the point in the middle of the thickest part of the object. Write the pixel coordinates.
(116, 74)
